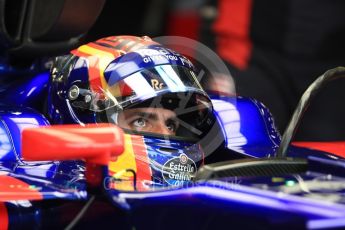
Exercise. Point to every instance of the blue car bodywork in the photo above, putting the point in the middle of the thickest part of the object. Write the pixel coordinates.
(54, 194)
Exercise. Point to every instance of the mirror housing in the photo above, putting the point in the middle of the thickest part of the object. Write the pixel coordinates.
(95, 143)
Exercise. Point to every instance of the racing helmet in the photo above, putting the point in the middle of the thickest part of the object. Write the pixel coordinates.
(99, 80)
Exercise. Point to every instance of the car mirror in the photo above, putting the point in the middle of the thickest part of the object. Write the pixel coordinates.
(97, 144)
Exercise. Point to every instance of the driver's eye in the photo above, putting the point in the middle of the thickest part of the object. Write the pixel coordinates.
(171, 125)
(139, 123)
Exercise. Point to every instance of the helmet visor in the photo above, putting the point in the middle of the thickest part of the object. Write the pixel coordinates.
(165, 99)
(139, 87)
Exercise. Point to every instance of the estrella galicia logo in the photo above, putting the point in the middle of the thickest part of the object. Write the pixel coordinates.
(179, 170)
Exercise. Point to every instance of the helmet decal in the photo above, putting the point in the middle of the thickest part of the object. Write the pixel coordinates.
(98, 60)
(101, 52)
(133, 160)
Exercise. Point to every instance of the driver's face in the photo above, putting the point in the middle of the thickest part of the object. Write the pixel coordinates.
(154, 120)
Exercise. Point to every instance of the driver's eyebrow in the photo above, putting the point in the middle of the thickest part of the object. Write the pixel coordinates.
(152, 116)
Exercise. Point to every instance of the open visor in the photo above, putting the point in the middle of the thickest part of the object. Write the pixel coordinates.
(165, 86)
(137, 88)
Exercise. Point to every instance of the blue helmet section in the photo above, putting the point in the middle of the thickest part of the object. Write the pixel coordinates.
(72, 70)
(143, 58)
(173, 163)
